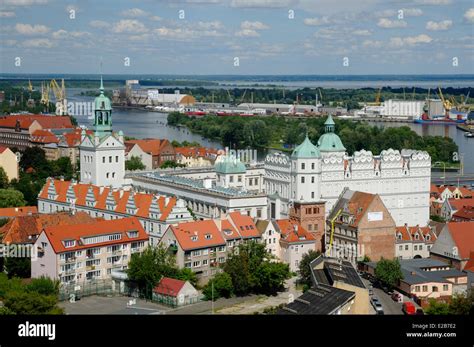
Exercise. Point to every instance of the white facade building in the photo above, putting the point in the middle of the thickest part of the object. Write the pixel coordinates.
(402, 180)
(102, 154)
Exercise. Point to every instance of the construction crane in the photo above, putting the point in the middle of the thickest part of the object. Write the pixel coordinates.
(60, 94)
(446, 103)
(44, 93)
(30, 86)
(243, 96)
(377, 98)
(331, 239)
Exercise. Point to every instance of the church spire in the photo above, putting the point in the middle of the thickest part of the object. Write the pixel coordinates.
(101, 85)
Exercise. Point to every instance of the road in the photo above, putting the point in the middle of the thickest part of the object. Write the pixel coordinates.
(389, 306)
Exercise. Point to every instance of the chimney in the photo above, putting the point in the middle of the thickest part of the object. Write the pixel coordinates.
(295, 228)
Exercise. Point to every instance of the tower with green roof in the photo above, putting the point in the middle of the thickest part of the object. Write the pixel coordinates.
(305, 170)
(102, 154)
(329, 141)
(230, 172)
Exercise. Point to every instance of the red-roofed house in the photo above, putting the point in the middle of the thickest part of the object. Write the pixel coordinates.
(362, 227)
(152, 152)
(451, 206)
(203, 245)
(154, 212)
(69, 142)
(295, 241)
(454, 244)
(17, 130)
(465, 214)
(173, 292)
(8, 162)
(81, 253)
(414, 242)
(196, 156)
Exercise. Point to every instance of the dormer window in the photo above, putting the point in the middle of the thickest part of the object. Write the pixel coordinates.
(132, 234)
(399, 236)
(427, 237)
(208, 236)
(416, 237)
(69, 243)
(194, 238)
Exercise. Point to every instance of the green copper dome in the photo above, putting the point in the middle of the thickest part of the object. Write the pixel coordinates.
(330, 142)
(102, 102)
(306, 150)
(230, 165)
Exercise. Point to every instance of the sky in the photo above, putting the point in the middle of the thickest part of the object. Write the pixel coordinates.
(202, 37)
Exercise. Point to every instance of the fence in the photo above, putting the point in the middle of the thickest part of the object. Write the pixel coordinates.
(86, 288)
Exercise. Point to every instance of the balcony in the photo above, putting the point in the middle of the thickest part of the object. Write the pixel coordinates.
(90, 267)
(134, 250)
(117, 252)
(70, 260)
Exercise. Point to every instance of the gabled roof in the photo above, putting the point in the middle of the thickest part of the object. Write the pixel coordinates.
(25, 229)
(353, 203)
(466, 212)
(197, 152)
(169, 286)
(43, 136)
(57, 235)
(150, 146)
(197, 234)
(292, 232)
(457, 204)
(462, 234)
(45, 121)
(244, 225)
(144, 203)
(425, 234)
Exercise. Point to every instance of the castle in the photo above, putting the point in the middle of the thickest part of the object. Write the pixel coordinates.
(306, 185)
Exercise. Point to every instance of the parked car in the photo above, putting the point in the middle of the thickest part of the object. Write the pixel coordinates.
(409, 308)
(419, 311)
(377, 306)
(371, 292)
(397, 297)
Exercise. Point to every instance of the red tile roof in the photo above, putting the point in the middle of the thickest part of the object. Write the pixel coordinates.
(458, 204)
(465, 213)
(196, 152)
(409, 234)
(58, 234)
(18, 211)
(73, 139)
(197, 234)
(143, 201)
(43, 136)
(169, 286)
(212, 233)
(470, 264)
(150, 146)
(3, 149)
(45, 121)
(25, 229)
(463, 236)
(293, 232)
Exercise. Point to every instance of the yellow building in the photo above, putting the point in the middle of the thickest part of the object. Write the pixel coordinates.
(9, 162)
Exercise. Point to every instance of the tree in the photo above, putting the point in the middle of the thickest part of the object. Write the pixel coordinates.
(35, 157)
(134, 163)
(437, 308)
(462, 304)
(61, 167)
(147, 268)
(389, 272)
(11, 198)
(44, 286)
(31, 303)
(253, 269)
(186, 274)
(171, 164)
(18, 267)
(3, 179)
(304, 267)
(220, 286)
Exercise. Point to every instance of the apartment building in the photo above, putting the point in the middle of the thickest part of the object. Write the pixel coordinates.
(270, 235)
(414, 242)
(78, 253)
(154, 212)
(203, 245)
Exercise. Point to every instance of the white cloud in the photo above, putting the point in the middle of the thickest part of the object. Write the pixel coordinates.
(64, 34)
(317, 21)
(28, 29)
(469, 15)
(388, 23)
(410, 40)
(261, 3)
(362, 32)
(133, 12)
(253, 25)
(184, 33)
(372, 44)
(98, 24)
(210, 25)
(436, 26)
(247, 33)
(129, 26)
(412, 12)
(38, 43)
(23, 2)
(7, 14)
(156, 18)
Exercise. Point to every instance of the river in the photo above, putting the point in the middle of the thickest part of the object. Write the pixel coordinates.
(143, 124)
